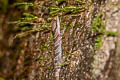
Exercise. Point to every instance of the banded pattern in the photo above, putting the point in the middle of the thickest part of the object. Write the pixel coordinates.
(57, 45)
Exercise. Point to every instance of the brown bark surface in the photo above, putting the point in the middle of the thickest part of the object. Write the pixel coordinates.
(90, 43)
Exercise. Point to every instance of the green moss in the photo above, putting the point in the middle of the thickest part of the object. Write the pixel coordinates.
(27, 17)
(26, 28)
(98, 43)
(25, 4)
(44, 46)
(63, 64)
(111, 34)
(51, 36)
(98, 27)
(55, 10)
(73, 9)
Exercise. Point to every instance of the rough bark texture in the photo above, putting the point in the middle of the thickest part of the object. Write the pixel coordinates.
(90, 45)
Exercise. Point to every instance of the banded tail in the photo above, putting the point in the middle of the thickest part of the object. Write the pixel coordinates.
(57, 46)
